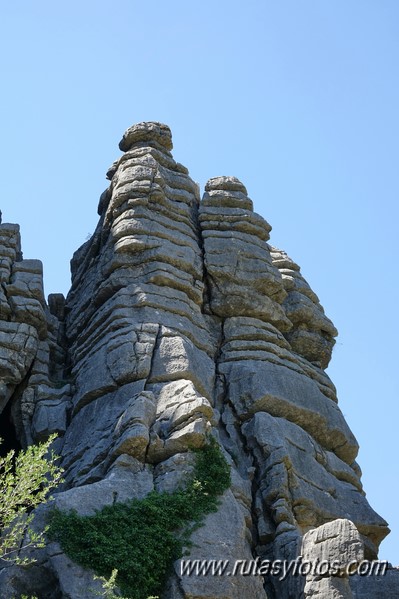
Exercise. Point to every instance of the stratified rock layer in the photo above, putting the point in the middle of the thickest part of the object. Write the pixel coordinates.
(32, 346)
(181, 321)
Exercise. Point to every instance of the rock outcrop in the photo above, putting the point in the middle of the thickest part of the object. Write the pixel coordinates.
(181, 321)
(338, 543)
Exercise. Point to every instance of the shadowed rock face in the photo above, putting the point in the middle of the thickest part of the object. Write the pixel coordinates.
(182, 320)
(32, 345)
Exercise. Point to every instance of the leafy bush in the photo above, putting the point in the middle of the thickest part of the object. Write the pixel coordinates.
(142, 538)
(25, 482)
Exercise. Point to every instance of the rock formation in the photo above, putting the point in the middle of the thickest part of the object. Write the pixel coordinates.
(181, 321)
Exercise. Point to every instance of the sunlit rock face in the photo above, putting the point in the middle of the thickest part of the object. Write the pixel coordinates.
(182, 321)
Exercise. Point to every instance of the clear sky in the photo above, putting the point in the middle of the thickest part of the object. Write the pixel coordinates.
(300, 100)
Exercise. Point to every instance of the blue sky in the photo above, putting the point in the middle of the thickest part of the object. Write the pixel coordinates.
(297, 99)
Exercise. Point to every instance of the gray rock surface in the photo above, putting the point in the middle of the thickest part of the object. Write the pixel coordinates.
(312, 334)
(338, 544)
(182, 320)
(224, 536)
(384, 586)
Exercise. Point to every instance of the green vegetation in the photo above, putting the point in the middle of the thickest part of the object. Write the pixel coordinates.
(25, 482)
(142, 538)
(110, 588)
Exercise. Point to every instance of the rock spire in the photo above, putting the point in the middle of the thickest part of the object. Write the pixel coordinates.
(182, 321)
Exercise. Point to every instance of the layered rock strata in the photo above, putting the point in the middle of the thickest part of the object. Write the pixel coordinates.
(182, 321)
(33, 391)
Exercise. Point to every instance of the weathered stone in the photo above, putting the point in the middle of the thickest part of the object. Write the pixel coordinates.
(73, 580)
(338, 546)
(89, 444)
(296, 481)
(49, 417)
(173, 359)
(240, 273)
(132, 428)
(147, 133)
(267, 387)
(171, 474)
(127, 479)
(18, 347)
(337, 541)
(331, 588)
(223, 537)
(182, 322)
(312, 335)
(377, 586)
(39, 579)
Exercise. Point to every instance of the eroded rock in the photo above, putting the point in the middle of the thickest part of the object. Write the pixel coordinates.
(183, 321)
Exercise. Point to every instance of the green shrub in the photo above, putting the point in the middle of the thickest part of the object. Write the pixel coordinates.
(142, 538)
(25, 481)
